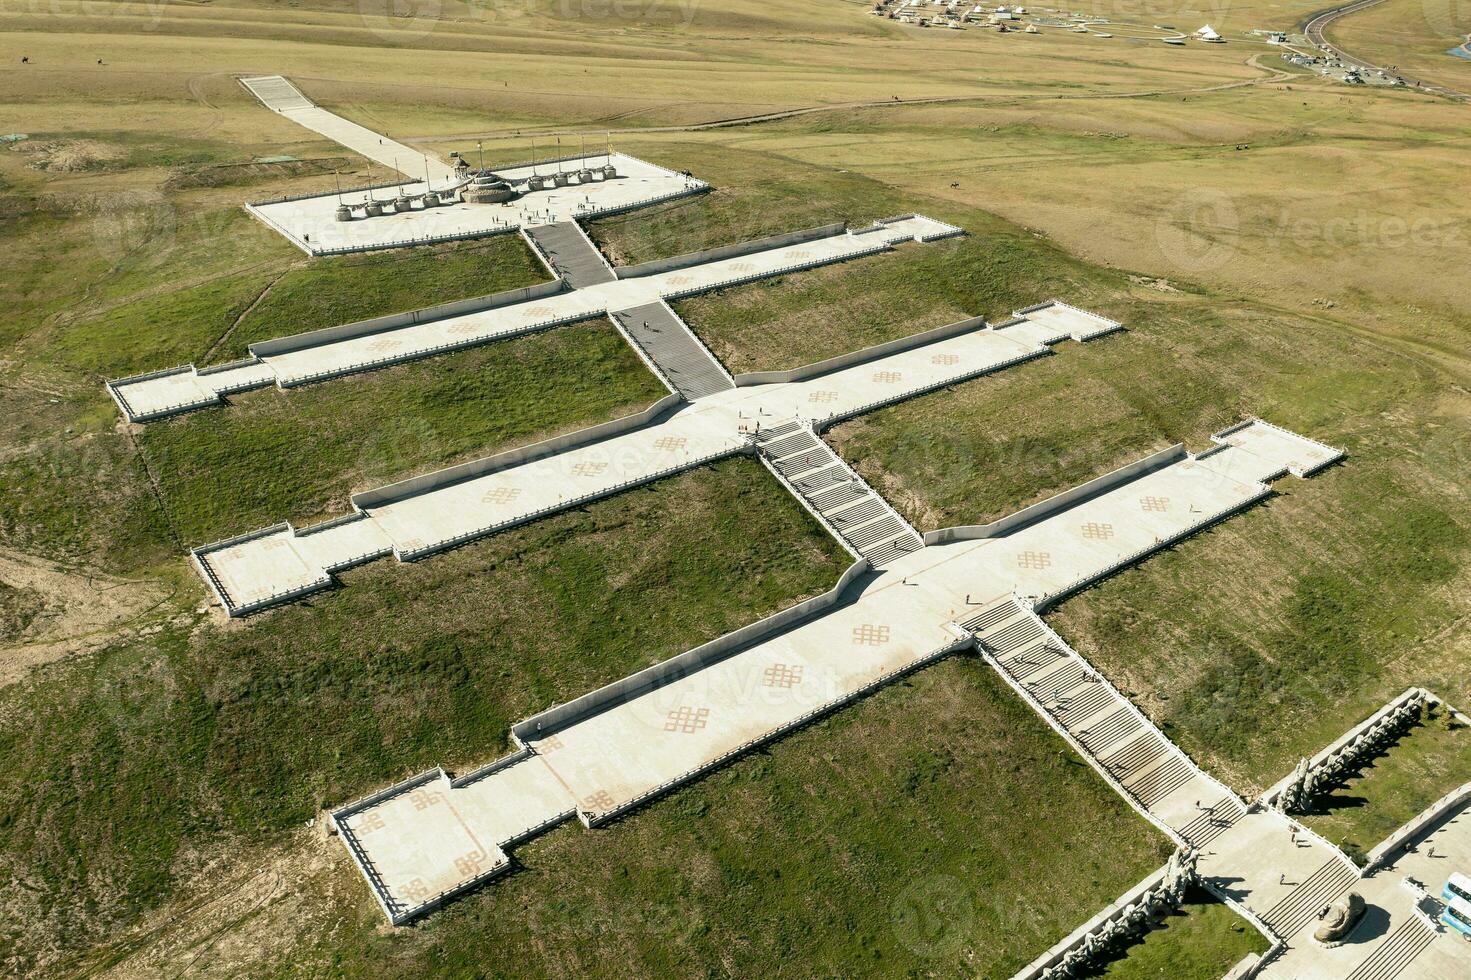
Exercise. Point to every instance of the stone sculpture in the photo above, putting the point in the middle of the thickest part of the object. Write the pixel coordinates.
(1132, 920)
(1339, 919)
(1309, 780)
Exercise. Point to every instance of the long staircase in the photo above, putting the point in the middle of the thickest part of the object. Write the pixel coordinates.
(1125, 745)
(840, 497)
(665, 339)
(570, 254)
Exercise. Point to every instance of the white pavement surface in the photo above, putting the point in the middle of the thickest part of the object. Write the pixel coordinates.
(281, 96)
(1396, 938)
(182, 389)
(273, 566)
(621, 752)
(1281, 873)
(311, 223)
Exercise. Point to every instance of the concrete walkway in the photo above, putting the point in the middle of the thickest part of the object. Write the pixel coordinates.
(437, 511)
(582, 189)
(1254, 855)
(279, 95)
(1122, 743)
(1278, 871)
(616, 748)
(1394, 940)
(332, 353)
(311, 222)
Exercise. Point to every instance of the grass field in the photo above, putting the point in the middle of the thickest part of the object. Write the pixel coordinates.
(18, 607)
(217, 320)
(272, 456)
(924, 868)
(195, 736)
(1266, 667)
(200, 737)
(1277, 246)
(1201, 941)
(1428, 761)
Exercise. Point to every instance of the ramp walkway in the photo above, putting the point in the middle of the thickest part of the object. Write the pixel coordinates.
(569, 253)
(1279, 872)
(838, 497)
(686, 363)
(279, 95)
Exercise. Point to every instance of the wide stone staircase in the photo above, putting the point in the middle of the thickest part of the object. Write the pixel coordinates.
(1304, 902)
(1124, 744)
(669, 343)
(840, 497)
(570, 254)
(1395, 953)
(277, 93)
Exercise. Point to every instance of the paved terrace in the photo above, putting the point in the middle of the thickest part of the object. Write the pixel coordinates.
(428, 514)
(338, 351)
(1431, 953)
(610, 751)
(311, 222)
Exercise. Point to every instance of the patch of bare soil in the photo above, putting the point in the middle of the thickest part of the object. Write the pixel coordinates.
(1163, 285)
(242, 912)
(69, 156)
(48, 611)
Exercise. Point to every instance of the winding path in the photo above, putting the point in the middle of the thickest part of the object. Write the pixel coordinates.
(1316, 31)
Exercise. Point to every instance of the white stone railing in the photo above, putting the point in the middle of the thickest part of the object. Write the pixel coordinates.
(697, 341)
(1133, 557)
(735, 250)
(1343, 751)
(518, 456)
(1110, 913)
(909, 393)
(684, 664)
(354, 367)
(783, 270)
(807, 505)
(360, 189)
(1057, 726)
(1395, 842)
(831, 364)
(644, 355)
(689, 190)
(1062, 501)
